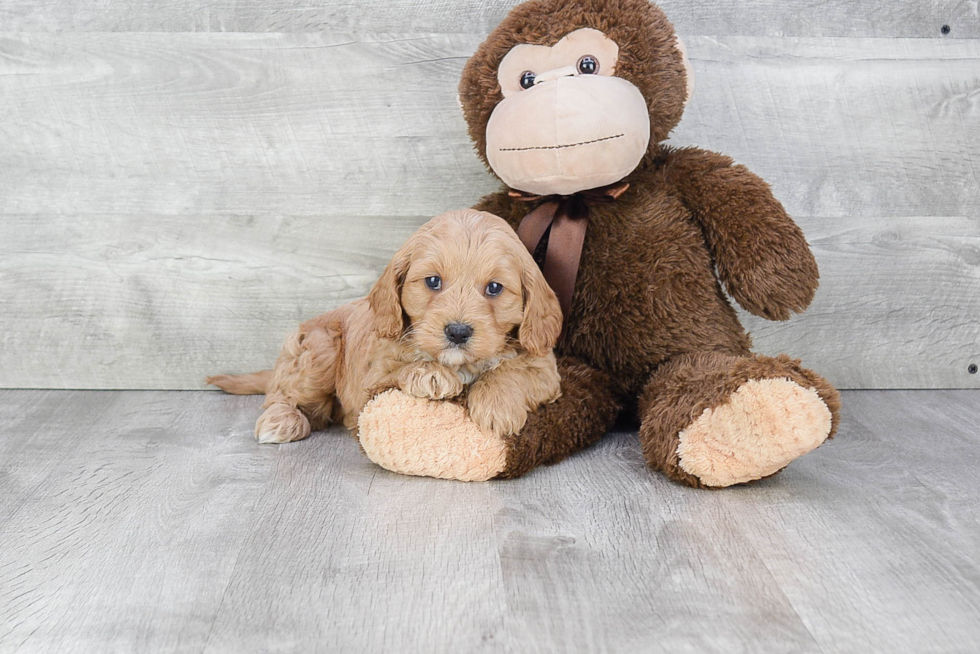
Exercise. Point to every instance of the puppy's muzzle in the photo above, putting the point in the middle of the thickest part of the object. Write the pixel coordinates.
(458, 333)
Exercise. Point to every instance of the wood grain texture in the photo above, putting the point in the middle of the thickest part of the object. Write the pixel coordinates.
(874, 18)
(337, 125)
(128, 302)
(136, 303)
(913, 518)
(318, 124)
(128, 514)
(898, 304)
(150, 521)
(172, 204)
(357, 563)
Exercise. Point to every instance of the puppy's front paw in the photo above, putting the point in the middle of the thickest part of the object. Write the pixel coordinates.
(496, 408)
(430, 381)
(281, 423)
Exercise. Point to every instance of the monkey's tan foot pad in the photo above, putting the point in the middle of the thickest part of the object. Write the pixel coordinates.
(426, 438)
(766, 424)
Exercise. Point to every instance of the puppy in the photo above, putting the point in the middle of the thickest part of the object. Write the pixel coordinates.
(461, 311)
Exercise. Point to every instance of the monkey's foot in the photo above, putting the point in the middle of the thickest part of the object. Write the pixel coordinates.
(765, 424)
(415, 436)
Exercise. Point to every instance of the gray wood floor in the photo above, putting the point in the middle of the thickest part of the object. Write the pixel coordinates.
(151, 521)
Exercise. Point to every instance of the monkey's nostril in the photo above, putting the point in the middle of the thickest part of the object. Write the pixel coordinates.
(458, 333)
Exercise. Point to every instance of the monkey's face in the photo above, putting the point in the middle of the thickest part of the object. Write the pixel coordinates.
(566, 123)
(568, 95)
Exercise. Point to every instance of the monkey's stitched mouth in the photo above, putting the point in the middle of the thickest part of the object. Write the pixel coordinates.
(559, 147)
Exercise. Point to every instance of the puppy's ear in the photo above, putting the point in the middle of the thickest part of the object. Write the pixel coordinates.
(385, 296)
(541, 325)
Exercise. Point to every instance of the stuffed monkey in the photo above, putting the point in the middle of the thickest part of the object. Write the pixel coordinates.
(568, 103)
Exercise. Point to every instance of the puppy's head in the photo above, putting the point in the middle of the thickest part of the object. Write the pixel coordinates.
(460, 287)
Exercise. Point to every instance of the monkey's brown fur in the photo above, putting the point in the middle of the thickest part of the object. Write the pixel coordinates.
(650, 326)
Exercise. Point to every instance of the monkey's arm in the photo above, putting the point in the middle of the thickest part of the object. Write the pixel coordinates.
(761, 254)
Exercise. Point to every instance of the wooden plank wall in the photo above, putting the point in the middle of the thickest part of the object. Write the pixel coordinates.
(179, 185)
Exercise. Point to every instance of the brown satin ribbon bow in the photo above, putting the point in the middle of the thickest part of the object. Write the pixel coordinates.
(568, 217)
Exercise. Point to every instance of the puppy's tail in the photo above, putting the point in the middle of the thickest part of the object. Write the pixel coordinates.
(253, 383)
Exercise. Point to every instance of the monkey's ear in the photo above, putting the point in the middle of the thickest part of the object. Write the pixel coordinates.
(385, 297)
(541, 325)
(688, 69)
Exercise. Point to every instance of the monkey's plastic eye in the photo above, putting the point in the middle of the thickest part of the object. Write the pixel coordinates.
(588, 65)
(434, 283)
(527, 79)
(494, 289)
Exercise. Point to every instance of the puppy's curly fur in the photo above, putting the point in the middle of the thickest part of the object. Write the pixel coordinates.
(397, 337)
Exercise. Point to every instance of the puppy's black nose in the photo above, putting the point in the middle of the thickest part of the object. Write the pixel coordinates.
(458, 333)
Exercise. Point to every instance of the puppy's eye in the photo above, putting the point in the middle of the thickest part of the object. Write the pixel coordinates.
(494, 289)
(588, 65)
(527, 79)
(434, 283)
